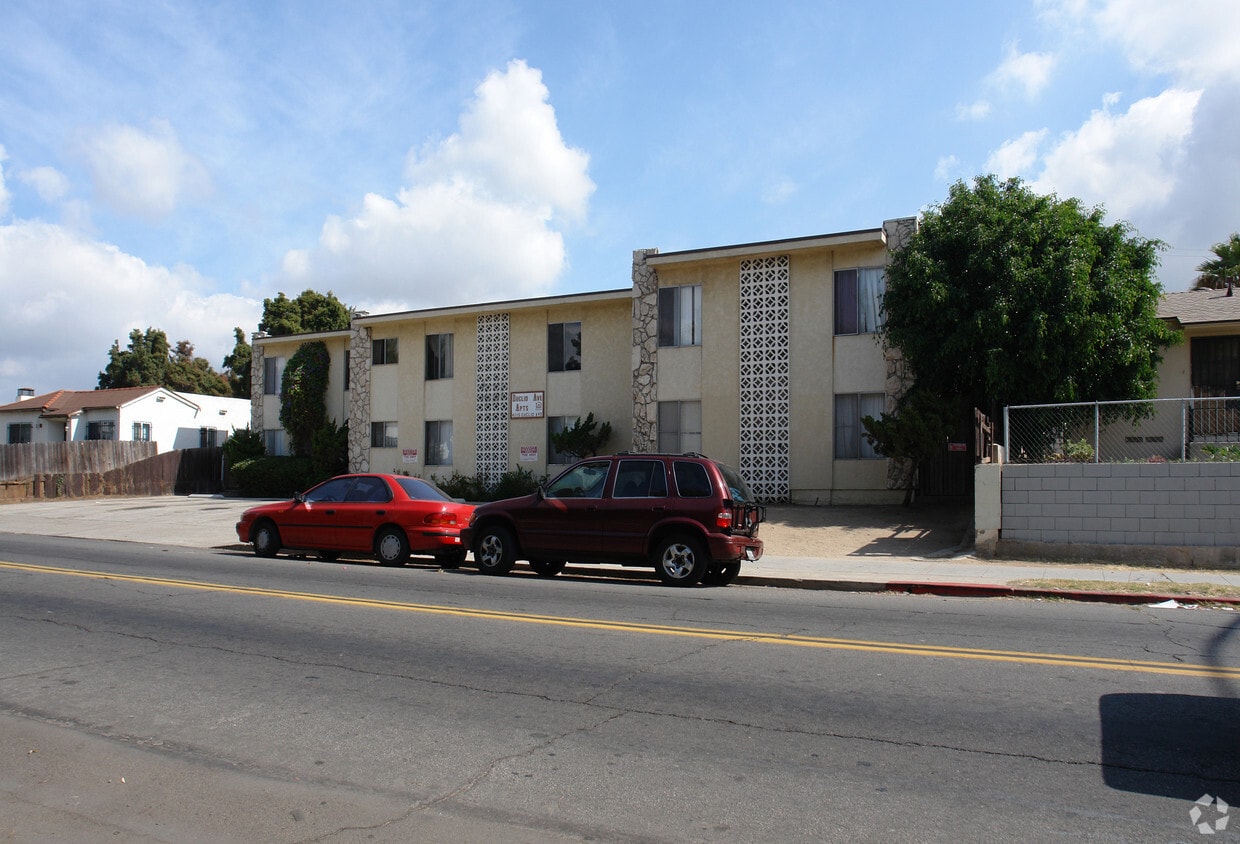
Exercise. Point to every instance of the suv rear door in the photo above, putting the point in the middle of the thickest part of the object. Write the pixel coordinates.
(563, 523)
(638, 501)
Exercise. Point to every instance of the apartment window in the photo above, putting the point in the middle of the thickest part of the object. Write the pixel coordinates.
(383, 435)
(859, 300)
(1216, 364)
(274, 442)
(563, 346)
(207, 437)
(680, 426)
(557, 425)
(439, 443)
(346, 370)
(20, 432)
(384, 351)
(680, 315)
(438, 357)
(850, 409)
(142, 432)
(273, 373)
(100, 430)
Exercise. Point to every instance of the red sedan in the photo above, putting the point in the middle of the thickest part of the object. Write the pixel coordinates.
(389, 516)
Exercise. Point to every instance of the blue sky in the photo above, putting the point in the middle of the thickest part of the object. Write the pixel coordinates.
(172, 164)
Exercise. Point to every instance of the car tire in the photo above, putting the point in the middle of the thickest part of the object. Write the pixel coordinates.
(495, 551)
(266, 539)
(391, 547)
(680, 560)
(451, 559)
(721, 574)
(547, 568)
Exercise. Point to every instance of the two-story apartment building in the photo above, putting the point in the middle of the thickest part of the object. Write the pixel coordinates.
(764, 355)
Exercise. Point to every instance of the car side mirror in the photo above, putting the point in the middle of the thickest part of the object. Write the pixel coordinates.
(542, 493)
(299, 497)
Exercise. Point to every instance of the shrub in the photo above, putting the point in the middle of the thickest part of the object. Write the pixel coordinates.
(329, 450)
(463, 486)
(243, 444)
(272, 477)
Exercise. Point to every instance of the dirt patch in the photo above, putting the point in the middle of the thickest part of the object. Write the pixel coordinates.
(831, 532)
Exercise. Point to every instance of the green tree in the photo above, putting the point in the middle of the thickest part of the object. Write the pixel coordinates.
(189, 374)
(915, 433)
(584, 438)
(1224, 266)
(143, 364)
(237, 366)
(302, 392)
(1007, 297)
(309, 312)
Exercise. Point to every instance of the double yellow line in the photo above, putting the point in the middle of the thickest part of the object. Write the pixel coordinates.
(900, 648)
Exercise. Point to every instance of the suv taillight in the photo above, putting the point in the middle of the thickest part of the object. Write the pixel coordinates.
(723, 519)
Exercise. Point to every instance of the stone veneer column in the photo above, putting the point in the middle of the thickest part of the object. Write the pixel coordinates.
(360, 349)
(899, 377)
(645, 352)
(257, 372)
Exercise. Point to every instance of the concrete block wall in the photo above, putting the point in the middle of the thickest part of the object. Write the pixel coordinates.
(1180, 513)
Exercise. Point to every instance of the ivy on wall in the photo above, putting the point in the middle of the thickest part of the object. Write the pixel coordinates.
(303, 392)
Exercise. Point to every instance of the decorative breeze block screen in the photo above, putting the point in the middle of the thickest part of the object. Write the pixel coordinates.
(492, 434)
(764, 373)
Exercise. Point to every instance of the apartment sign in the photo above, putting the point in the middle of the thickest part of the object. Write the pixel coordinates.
(527, 405)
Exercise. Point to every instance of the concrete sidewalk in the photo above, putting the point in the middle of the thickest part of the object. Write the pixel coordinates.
(208, 522)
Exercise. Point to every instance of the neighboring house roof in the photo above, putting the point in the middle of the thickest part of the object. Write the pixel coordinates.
(74, 402)
(1199, 307)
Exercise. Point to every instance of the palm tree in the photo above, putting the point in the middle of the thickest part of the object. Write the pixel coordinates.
(1224, 267)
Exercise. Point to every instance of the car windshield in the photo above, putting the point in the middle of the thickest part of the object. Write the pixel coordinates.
(737, 488)
(422, 490)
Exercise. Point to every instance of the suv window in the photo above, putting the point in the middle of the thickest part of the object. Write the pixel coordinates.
(737, 488)
(641, 479)
(585, 480)
(691, 480)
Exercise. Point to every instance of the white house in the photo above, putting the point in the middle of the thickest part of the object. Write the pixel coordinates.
(152, 414)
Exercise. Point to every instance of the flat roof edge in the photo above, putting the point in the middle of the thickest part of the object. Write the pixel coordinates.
(793, 244)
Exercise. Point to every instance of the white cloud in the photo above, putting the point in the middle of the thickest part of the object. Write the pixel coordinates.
(51, 185)
(1127, 161)
(1025, 74)
(978, 110)
(144, 174)
(68, 298)
(1193, 40)
(478, 219)
(1017, 156)
(947, 169)
(778, 191)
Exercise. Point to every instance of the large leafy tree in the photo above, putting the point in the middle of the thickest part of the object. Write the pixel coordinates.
(1223, 267)
(311, 311)
(1008, 297)
(302, 391)
(149, 361)
(237, 366)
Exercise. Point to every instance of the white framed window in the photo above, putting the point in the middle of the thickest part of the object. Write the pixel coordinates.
(859, 300)
(680, 315)
(274, 442)
(439, 443)
(563, 346)
(142, 432)
(101, 430)
(383, 435)
(680, 426)
(384, 351)
(273, 373)
(850, 409)
(438, 357)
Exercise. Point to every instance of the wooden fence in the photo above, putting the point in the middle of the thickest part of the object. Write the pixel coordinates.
(105, 467)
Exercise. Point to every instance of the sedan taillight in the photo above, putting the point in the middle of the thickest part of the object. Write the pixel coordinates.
(441, 519)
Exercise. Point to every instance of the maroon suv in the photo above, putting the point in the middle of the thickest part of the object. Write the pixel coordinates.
(689, 517)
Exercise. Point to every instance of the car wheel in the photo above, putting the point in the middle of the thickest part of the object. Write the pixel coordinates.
(329, 556)
(451, 559)
(266, 539)
(391, 547)
(547, 568)
(721, 574)
(495, 551)
(680, 561)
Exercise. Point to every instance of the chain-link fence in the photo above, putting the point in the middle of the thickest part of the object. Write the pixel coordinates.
(1118, 432)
